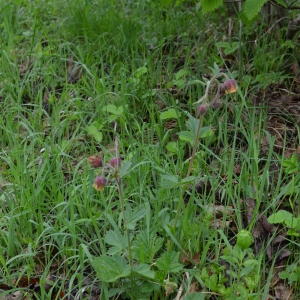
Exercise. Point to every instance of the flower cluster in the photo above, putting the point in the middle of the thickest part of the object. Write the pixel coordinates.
(229, 86)
(96, 162)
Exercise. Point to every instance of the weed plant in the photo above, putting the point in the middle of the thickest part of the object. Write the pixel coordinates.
(103, 79)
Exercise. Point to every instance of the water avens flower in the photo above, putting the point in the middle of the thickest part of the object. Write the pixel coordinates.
(230, 86)
(95, 161)
(115, 162)
(99, 183)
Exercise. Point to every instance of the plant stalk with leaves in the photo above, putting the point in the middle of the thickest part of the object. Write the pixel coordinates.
(230, 87)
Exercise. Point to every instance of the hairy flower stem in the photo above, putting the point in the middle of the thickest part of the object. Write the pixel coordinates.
(204, 99)
(195, 146)
(119, 185)
(180, 202)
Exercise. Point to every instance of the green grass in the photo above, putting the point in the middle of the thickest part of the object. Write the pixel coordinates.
(75, 77)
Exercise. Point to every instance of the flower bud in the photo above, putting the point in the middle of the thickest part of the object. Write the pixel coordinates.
(115, 162)
(230, 86)
(99, 183)
(95, 161)
(202, 109)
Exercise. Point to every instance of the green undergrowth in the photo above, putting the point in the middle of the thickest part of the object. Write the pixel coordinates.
(78, 75)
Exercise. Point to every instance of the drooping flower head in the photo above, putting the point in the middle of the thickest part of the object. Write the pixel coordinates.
(202, 109)
(230, 86)
(99, 183)
(95, 161)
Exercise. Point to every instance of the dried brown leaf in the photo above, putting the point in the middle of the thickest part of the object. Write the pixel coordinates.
(282, 292)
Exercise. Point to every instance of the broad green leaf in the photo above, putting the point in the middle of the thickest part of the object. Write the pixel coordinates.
(125, 168)
(281, 2)
(206, 132)
(169, 114)
(94, 132)
(234, 46)
(192, 124)
(133, 216)
(145, 246)
(292, 222)
(144, 270)
(168, 262)
(210, 5)
(252, 7)
(279, 217)
(111, 268)
(232, 274)
(211, 282)
(188, 180)
(194, 296)
(140, 71)
(110, 108)
(195, 81)
(166, 2)
(179, 83)
(247, 270)
(181, 73)
(116, 240)
(172, 147)
(223, 45)
(186, 136)
(293, 232)
(169, 181)
(229, 48)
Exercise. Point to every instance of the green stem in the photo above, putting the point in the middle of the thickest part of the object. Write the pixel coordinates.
(119, 185)
(180, 202)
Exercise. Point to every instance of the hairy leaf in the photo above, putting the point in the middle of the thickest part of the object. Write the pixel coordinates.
(210, 5)
(111, 268)
(252, 7)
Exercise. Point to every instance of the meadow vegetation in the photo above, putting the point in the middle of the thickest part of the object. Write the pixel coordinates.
(127, 170)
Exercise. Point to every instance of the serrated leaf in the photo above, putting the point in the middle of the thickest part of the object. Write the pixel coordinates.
(292, 222)
(186, 136)
(172, 147)
(244, 18)
(144, 270)
(169, 114)
(140, 71)
(210, 5)
(233, 47)
(194, 296)
(169, 181)
(133, 216)
(145, 246)
(111, 268)
(94, 132)
(168, 262)
(281, 2)
(117, 240)
(252, 7)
